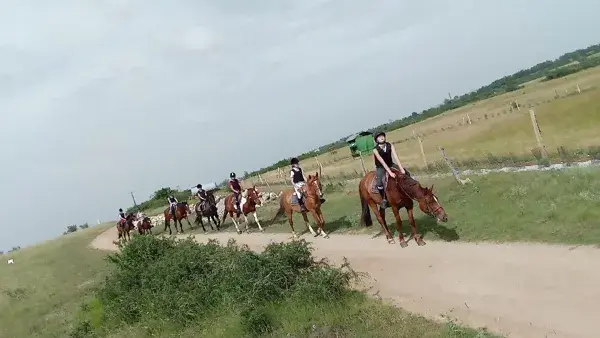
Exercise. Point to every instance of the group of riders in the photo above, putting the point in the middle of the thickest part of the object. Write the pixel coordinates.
(384, 155)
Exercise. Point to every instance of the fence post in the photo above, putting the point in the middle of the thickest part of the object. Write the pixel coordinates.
(578, 90)
(454, 170)
(263, 181)
(538, 133)
(362, 163)
(421, 147)
(320, 165)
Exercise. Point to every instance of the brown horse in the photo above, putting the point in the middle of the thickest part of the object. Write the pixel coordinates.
(144, 225)
(400, 193)
(249, 200)
(125, 228)
(312, 191)
(208, 210)
(182, 209)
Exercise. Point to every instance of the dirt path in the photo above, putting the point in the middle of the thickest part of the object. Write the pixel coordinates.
(518, 290)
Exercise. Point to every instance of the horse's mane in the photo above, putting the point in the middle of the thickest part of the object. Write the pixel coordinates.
(408, 184)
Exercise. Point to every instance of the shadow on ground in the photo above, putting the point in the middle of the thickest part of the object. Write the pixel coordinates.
(425, 225)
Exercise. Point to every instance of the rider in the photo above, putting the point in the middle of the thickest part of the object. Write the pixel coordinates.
(236, 187)
(122, 217)
(172, 204)
(298, 181)
(384, 155)
(201, 194)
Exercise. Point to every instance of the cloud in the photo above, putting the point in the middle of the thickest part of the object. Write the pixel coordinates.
(98, 99)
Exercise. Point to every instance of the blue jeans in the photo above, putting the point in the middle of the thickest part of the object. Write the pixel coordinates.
(380, 174)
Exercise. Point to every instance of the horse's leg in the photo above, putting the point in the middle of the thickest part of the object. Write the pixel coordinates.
(396, 212)
(199, 218)
(321, 223)
(413, 225)
(310, 228)
(290, 214)
(188, 222)
(258, 222)
(380, 214)
(247, 223)
(168, 224)
(237, 228)
(180, 225)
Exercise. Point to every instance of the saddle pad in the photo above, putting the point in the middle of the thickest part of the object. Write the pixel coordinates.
(374, 185)
(407, 183)
(294, 200)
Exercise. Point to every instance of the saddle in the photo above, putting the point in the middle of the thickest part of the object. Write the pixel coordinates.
(406, 181)
(294, 199)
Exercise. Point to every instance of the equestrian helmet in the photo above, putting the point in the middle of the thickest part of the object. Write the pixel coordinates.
(232, 175)
(199, 186)
(120, 210)
(380, 133)
(294, 161)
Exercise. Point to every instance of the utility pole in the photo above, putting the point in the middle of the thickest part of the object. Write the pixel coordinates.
(133, 198)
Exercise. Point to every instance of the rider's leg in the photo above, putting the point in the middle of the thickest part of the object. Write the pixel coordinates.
(236, 198)
(379, 175)
(298, 191)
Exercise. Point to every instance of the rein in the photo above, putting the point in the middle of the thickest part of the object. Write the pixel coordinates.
(430, 212)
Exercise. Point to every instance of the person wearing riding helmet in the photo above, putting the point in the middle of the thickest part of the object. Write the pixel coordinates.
(384, 155)
(172, 204)
(236, 187)
(201, 194)
(122, 217)
(298, 181)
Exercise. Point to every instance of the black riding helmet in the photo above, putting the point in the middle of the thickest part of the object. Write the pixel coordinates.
(199, 186)
(380, 133)
(232, 175)
(120, 210)
(294, 161)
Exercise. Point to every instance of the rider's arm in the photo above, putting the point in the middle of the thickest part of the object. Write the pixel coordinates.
(397, 159)
(292, 177)
(378, 157)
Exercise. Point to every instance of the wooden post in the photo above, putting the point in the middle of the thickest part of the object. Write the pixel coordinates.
(464, 119)
(538, 133)
(469, 118)
(578, 90)
(263, 181)
(422, 151)
(319, 164)
(362, 163)
(518, 105)
(454, 170)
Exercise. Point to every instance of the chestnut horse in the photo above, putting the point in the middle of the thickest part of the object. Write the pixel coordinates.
(209, 210)
(125, 227)
(400, 193)
(249, 200)
(312, 191)
(181, 212)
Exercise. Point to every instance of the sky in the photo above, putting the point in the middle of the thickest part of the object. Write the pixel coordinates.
(102, 98)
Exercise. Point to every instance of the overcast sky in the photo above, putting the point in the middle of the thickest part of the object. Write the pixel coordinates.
(100, 98)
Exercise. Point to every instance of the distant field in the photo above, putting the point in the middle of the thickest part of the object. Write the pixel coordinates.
(570, 120)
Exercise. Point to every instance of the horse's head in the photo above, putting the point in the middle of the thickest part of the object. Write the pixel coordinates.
(253, 195)
(430, 204)
(185, 206)
(313, 186)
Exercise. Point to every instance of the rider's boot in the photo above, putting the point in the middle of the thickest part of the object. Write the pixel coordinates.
(384, 203)
(302, 205)
(238, 210)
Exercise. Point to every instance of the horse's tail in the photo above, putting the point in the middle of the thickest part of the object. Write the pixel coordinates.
(365, 217)
(281, 210)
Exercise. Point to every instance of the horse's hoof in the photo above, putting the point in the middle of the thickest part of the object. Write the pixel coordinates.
(239, 232)
(262, 230)
(420, 242)
(391, 241)
(403, 244)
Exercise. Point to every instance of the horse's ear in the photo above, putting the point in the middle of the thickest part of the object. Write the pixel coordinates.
(317, 174)
(431, 188)
(309, 177)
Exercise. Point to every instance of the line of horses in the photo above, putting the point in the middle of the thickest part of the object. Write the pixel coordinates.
(401, 192)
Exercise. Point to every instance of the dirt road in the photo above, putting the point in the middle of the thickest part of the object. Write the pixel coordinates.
(518, 290)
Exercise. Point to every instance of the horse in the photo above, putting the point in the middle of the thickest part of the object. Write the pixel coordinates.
(312, 191)
(182, 209)
(400, 193)
(124, 228)
(144, 225)
(248, 205)
(209, 211)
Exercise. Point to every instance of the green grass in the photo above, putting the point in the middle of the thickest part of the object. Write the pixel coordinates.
(550, 206)
(44, 288)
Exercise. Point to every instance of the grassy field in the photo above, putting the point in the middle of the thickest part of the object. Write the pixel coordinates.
(569, 120)
(549, 206)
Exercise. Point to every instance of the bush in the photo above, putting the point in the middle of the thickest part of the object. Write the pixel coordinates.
(154, 281)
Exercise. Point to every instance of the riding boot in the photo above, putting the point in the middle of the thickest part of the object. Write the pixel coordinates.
(302, 205)
(238, 210)
(384, 203)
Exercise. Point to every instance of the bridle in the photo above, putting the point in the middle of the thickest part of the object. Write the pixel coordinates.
(429, 211)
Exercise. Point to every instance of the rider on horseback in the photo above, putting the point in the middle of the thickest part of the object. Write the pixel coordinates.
(172, 204)
(384, 155)
(122, 217)
(201, 194)
(298, 181)
(236, 187)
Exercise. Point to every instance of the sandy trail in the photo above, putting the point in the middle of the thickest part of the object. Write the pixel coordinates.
(518, 290)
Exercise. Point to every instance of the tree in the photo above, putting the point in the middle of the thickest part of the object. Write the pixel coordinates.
(84, 226)
(70, 229)
(14, 248)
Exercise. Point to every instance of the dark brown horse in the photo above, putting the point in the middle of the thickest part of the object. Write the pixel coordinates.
(288, 204)
(249, 200)
(124, 228)
(209, 210)
(400, 193)
(144, 225)
(182, 210)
